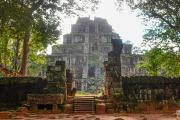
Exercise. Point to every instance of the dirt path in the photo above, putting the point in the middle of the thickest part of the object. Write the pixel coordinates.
(98, 117)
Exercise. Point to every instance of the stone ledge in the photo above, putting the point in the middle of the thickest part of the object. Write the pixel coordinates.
(45, 98)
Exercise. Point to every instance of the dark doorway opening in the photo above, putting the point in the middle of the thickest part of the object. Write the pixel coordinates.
(45, 106)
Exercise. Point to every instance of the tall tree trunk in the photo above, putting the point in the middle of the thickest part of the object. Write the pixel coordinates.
(0, 52)
(17, 44)
(5, 45)
(24, 61)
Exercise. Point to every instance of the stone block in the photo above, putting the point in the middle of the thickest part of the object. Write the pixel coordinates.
(22, 109)
(68, 108)
(178, 114)
(100, 108)
(109, 106)
(5, 115)
(55, 109)
(109, 111)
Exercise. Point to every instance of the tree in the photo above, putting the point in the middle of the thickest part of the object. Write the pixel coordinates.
(165, 14)
(35, 21)
(164, 34)
(166, 31)
(159, 62)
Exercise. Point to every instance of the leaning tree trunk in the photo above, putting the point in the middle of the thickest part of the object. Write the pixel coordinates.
(24, 61)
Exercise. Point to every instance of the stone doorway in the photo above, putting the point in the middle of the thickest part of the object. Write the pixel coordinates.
(48, 107)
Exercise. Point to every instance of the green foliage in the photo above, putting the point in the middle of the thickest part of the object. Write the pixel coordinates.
(28, 27)
(82, 93)
(163, 37)
(165, 17)
(158, 62)
(94, 61)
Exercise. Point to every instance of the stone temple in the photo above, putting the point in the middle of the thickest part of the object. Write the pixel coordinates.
(86, 48)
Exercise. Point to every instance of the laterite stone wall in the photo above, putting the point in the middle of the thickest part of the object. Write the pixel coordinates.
(14, 90)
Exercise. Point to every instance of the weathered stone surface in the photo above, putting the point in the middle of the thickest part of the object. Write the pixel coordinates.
(68, 108)
(100, 108)
(47, 95)
(14, 90)
(45, 98)
(86, 48)
(5, 115)
(138, 93)
(70, 83)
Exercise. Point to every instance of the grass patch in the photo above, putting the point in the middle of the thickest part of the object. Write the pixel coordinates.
(84, 93)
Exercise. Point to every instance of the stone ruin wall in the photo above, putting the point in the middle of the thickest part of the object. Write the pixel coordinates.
(147, 88)
(145, 94)
(14, 90)
(138, 93)
(37, 92)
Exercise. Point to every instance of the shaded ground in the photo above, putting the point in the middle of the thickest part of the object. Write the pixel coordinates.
(97, 117)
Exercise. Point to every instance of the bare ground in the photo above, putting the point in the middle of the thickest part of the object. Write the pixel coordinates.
(97, 117)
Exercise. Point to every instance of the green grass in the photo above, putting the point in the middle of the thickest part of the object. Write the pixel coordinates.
(83, 93)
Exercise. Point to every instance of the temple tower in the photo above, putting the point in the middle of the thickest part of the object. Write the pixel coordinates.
(85, 49)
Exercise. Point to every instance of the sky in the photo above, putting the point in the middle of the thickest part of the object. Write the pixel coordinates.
(124, 22)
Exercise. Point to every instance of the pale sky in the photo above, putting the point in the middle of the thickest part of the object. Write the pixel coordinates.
(124, 22)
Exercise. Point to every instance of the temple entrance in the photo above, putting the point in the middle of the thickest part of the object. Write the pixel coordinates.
(45, 106)
(90, 80)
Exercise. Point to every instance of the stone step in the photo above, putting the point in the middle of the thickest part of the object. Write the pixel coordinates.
(81, 97)
(78, 105)
(84, 99)
(83, 109)
(84, 104)
(81, 112)
(87, 101)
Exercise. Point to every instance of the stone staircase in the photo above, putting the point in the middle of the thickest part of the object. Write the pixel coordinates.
(84, 104)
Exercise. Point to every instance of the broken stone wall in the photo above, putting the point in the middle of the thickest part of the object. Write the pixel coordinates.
(145, 93)
(14, 90)
(142, 88)
(137, 93)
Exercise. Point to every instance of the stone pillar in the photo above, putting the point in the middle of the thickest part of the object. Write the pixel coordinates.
(113, 71)
(85, 68)
(82, 85)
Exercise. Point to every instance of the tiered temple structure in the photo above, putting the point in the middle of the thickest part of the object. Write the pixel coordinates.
(85, 49)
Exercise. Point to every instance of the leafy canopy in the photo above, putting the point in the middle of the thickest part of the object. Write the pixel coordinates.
(27, 27)
(163, 37)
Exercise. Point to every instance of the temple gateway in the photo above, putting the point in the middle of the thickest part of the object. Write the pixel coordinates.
(86, 48)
